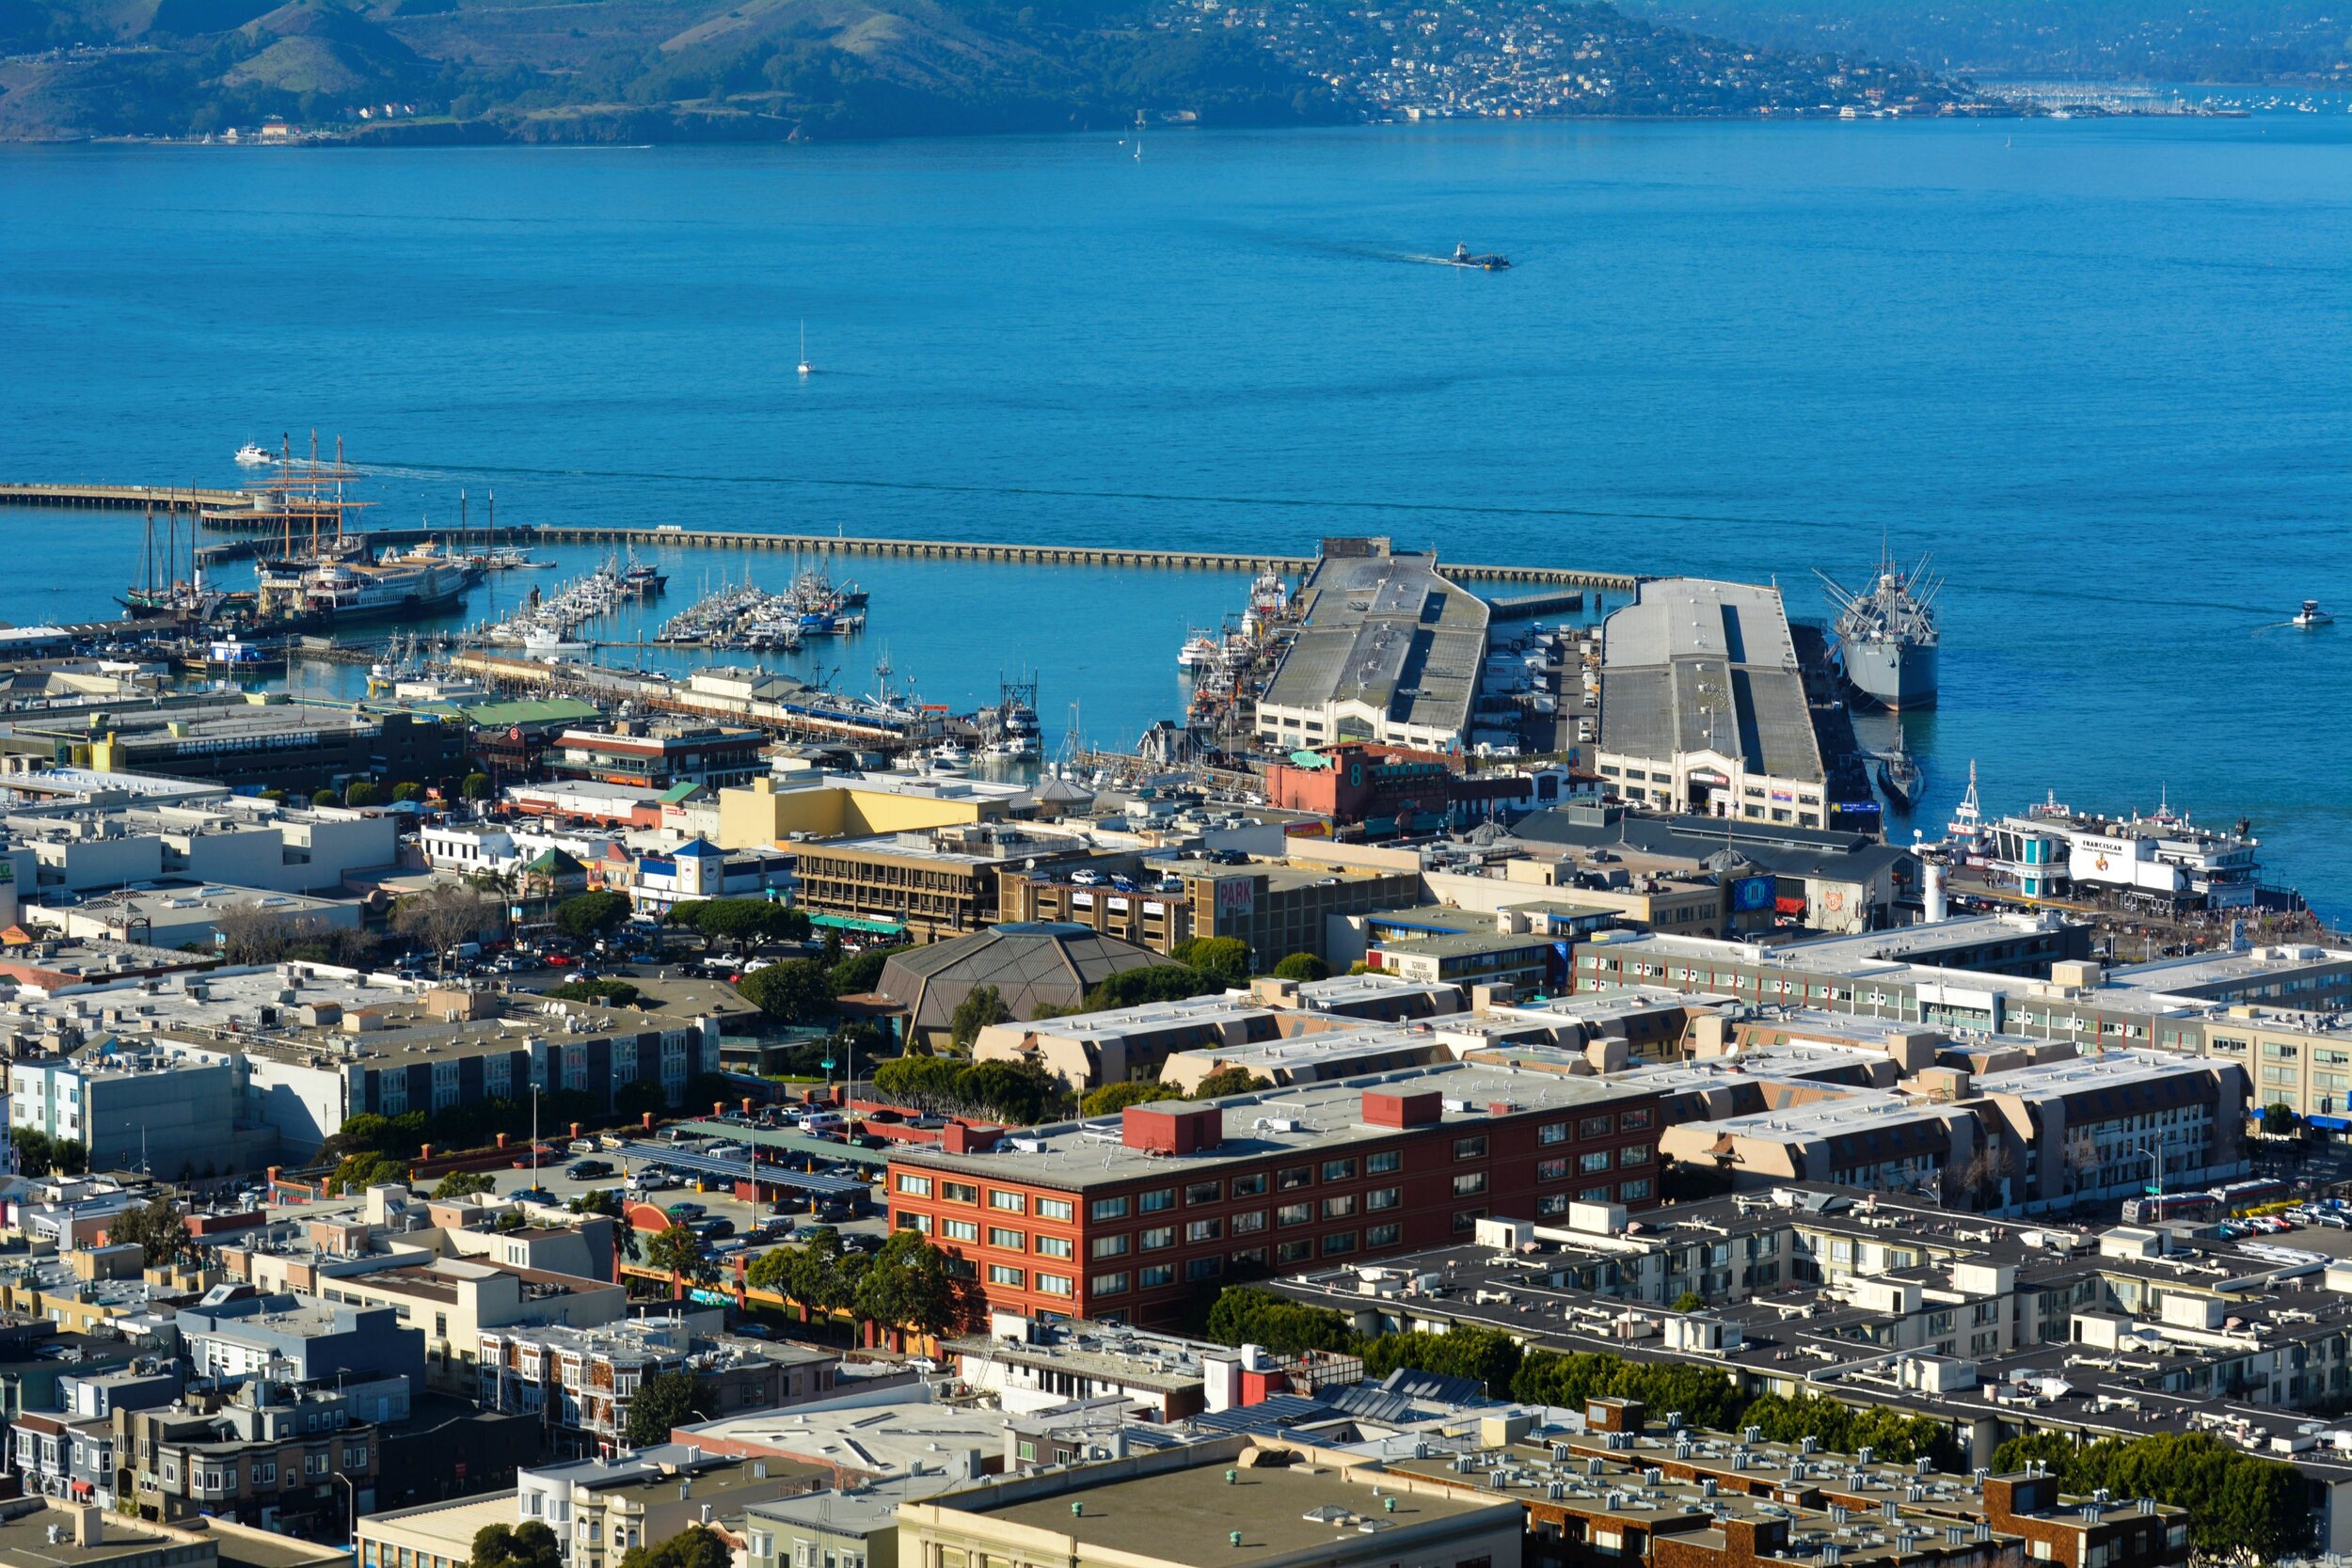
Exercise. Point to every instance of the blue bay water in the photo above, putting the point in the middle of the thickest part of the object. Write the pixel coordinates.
(2096, 367)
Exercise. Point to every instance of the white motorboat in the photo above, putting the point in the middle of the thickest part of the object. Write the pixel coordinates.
(2312, 615)
(253, 455)
(1201, 649)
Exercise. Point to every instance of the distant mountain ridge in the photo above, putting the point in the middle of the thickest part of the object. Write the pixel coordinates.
(429, 71)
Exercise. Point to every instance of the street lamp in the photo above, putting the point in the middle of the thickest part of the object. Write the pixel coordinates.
(2156, 1154)
(352, 1496)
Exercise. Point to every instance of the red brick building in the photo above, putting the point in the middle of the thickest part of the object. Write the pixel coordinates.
(1386, 790)
(1128, 1218)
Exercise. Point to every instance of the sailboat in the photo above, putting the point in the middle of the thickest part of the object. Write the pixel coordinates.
(806, 366)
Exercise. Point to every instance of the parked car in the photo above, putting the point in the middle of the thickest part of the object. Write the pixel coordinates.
(686, 1214)
(535, 1194)
(588, 1170)
(580, 1145)
(712, 1229)
(543, 1155)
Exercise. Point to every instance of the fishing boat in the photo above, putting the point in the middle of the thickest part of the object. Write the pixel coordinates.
(2312, 615)
(1200, 651)
(254, 455)
(643, 580)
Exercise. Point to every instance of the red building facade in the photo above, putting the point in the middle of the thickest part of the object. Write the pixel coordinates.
(1190, 1197)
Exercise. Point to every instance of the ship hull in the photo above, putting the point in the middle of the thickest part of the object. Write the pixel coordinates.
(1893, 675)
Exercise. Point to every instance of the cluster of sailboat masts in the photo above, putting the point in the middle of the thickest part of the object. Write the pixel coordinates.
(740, 615)
(544, 623)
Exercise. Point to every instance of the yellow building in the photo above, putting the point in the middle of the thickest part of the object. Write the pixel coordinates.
(759, 814)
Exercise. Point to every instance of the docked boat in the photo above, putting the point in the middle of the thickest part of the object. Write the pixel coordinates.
(947, 753)
(1887, 637)
(642, 580)
(1462, 257)
(2312, 615)
(419, 581)
(1900, 776)
(1967, 831)
(1200, 651)
(254, 455)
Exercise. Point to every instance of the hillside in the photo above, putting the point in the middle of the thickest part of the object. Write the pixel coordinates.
(2302, 42)
(424, 71)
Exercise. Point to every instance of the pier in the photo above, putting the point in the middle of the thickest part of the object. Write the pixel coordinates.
(120, 498)
(1112, 557)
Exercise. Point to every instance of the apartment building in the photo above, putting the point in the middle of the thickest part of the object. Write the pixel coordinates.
(276, 1460)
(582, 1381)
(1130, 1217)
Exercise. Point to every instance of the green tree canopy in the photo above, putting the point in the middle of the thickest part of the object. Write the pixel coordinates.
(664, 1401)
(474, 787)
(530, 1544)
(1111, 1099)
(2238, 1504)
(692, 1548)
(363, 792)
(1482, 1353)
(909, 1285)
(464, 1183)
(621, 993)
(1302, 966)
(1244, 1315)
(792, 992)
(585, 916)
(1227, 957)
(981, 1007)
(1230, 1080)
(1689, 1301)
(1705, 1396)
(741, 921)
(408, 789)
(859, 972)
(1132, 988)
(1843, 1429)
(157, 1227)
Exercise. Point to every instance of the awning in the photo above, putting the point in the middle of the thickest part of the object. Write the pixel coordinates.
(852, 923)
(2329, 1124)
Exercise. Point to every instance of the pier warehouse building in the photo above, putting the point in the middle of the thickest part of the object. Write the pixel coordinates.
(1703, 705)
(1387, 651)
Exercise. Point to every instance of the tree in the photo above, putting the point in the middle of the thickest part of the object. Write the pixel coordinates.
(1111, 1099)
(474, 787)
(444, 915)
(1302, 966)
(679, 1253)
(157, 1227)
(2239, 1505)
(1689, 1301)
(1243, 1315)
(791, 993)
(692, 1548)
(1014, 1092)
(909, 1285)
(1227, 957)
(32, 1149)
(325, 797)
(68, 1156)
(253, 933)
(619, 993)
(980, 1007)
(1132, 988)
(2280, 1121)
(923, 1081)
(363, 792)
(358, 1172)
(530, 1544)
(859, 972)
(585, 916)
(663, 1401)
(407, 789)
(464, 1183)
(1705, 1396)
(741, 921)
(1484, 1355)
(1231, 1079)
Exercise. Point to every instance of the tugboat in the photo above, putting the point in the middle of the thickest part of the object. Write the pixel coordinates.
(2312, 615)
(1462, 257)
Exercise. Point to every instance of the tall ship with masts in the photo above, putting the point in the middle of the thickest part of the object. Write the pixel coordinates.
(1887, 637)
(321, 573)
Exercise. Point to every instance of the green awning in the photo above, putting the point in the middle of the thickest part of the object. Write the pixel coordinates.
(852, 923)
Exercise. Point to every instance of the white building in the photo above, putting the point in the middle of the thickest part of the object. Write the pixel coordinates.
(1388, 650)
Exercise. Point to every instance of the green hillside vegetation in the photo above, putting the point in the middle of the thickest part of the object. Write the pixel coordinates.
(627, 70)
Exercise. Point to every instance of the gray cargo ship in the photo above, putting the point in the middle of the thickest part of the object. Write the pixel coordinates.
(1886, 635)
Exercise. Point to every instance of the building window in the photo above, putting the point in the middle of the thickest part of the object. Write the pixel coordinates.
(959, 1191)
(1156, 1201)
(1204, 1268)
(1636, 1154)
(1157, 1237)
(1294, 1213)
(1592, 1194)
(1338, 1243)
(1107, 1284)
(1294, 1177)
(1249, 1258)
(908, 1220)
(1009, 1240)
(1338, 1170)
(1551, 1204)
(1465, 1220)
(1054, 1284)
(1469, 1149)
(960, 1231)
(1158, 1274)
(1339, 1207)
(1469, 1183)
(1633, 1122)
(1594, 1127)
(1552, 1170)
(1249, 1186)
(1384, 1162)
(1253, 1220)
(1003, 1274)
(1110, 1246)
(915, 1186)
(1294, 1252)
(1553, 1132)
(1017, 1203)
(1636, 1192)
(1204, 1230)
(1596, 1160)
(1109, 1209)
(1204, 1192)
(1056, 1246)
(1055, 1209)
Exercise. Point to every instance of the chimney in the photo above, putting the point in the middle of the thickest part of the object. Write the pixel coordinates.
(89, 1525)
